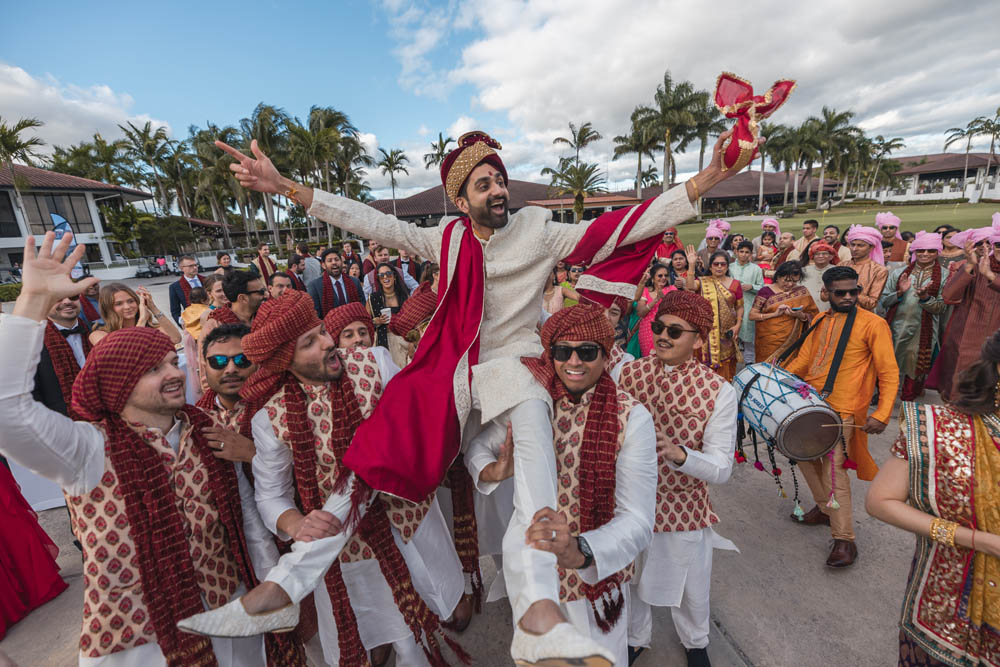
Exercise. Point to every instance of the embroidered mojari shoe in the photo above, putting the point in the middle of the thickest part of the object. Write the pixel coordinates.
(562, 646)
(232, 620)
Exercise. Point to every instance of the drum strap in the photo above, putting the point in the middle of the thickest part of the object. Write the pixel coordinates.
(838, 355)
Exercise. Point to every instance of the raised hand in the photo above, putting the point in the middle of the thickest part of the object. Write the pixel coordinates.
(903, 284)
(45, 276)
(256, 173)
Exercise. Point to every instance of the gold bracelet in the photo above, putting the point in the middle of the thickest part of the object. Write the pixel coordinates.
(697, 195)
(292, 191)
(943, 531)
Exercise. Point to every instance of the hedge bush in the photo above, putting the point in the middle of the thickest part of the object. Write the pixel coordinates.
(9, 291)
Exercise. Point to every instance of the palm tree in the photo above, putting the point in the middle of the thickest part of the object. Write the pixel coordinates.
(801, 151)
(672, 114)
(268, 125)
(883, 147)
(580, 180)
(150, 147)
(579, 138)
(989, 127)
(833, 129)
(641, 141)
(439, 151)
(650, 176)
(393, 162)
(23, 149)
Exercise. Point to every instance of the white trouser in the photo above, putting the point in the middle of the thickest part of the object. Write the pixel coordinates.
(530, 574)
(691, 617)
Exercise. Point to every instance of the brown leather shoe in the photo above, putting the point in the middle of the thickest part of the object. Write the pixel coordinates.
(814, 517)
(843, 554)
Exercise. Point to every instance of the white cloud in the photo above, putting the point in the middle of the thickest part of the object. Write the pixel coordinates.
(71, 113)
(909, 68)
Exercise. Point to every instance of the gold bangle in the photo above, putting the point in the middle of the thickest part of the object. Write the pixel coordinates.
(943, 531)
(697, 195)
(292, 191)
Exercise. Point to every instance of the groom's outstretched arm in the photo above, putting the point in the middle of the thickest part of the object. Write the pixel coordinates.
(259, 173)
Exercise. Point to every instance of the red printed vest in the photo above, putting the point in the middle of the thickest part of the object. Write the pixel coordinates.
(681, 400)
(115, 617)
(362, 370)
(567, 437)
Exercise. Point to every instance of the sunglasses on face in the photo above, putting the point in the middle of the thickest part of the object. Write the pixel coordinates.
(220, 361)
(892, 227)
(585, 352)
(262, 291)
(385, 275)
(840, 293)
(674, 331)
(576, 270)
(75, 297)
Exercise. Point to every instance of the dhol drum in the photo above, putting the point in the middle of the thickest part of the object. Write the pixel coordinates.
(784, 409)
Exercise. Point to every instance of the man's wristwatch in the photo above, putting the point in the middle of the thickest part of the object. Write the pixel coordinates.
(588, 555)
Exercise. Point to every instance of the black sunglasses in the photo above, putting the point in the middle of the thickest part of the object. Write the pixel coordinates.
(585, 352)
(576, 270)
(847, 292)
(220, 361)
(674, 331)
(385, 275)
(262, 291)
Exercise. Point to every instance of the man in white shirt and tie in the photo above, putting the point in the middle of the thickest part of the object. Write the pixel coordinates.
(64, 352)
(180, 290)
(334, 288)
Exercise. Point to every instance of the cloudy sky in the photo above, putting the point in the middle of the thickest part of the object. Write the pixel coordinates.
(404, 71)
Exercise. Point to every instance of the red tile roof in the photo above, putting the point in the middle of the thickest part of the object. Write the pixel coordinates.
(939, 162)
(207, 223)
(43, 179)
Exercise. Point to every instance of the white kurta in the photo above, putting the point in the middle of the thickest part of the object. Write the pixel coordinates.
(72, 455)
(430, 556)
(812, 279)
(676, 569)
(616, 543)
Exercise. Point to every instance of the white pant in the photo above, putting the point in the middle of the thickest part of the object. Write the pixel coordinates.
(530, 574)
(691, 617)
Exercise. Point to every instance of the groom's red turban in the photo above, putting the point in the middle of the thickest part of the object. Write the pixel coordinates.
(473, 148)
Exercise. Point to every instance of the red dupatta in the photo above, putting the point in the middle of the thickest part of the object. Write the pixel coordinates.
(391, 450)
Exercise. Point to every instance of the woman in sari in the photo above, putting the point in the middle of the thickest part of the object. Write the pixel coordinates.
(654, 285)
(725, 295)
(781, 312)
(941, 484)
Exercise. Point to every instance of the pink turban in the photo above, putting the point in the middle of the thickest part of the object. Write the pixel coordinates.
(925, 241)
(995, 238)
(870, 236)
(714, 233)
(888, 220)
(774, 222)
(972, 236)
(720, 224)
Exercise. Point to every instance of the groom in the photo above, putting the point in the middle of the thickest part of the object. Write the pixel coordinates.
(494, 267)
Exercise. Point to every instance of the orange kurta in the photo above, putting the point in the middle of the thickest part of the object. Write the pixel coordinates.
(871, 280)
(869, 355)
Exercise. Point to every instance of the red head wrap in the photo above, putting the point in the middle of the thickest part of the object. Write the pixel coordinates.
(271, 341)
(340, 317)
(114, 367)
(690, 307)
(583, 322)
(820, 246)
(473, 148)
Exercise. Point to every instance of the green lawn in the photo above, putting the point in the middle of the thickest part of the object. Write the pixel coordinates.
(915, 218)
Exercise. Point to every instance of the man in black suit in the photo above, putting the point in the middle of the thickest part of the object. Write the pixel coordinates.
(334, 288)
(180, 290)
(63, 354)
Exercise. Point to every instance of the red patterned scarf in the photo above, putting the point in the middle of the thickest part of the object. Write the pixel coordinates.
(64, 361)
(415, 310)
(265, 266)
(599, 449)
(89, 311)
(466, 530)
(330, 302)
(374, 528)
(186, 289)
(783, 255)
(926, 348)
(296, 283)
(225, 315)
